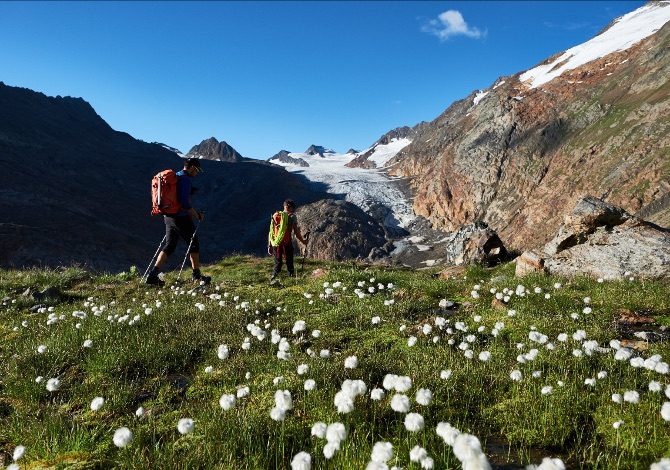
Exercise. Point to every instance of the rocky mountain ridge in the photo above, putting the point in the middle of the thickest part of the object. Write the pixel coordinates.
(518, 156)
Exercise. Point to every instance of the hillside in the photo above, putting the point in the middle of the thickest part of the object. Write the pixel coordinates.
(104, 372)
(78, 192)
(594, 120)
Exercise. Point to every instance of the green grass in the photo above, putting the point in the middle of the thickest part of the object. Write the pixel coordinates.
(159, 363)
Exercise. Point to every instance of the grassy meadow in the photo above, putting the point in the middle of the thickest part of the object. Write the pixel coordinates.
(532, 377)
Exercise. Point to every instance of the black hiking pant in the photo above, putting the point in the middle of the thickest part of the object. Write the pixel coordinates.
(283, 251)
(179, 226)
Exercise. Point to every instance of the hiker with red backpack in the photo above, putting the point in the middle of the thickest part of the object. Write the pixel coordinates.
(283, 224)
(171, 197)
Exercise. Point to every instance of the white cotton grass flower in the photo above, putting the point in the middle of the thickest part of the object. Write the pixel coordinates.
(468, 450)
(336, 432)
(377, 394)
(414, 422)
(548, 463)
(411, 341)
(447, 432)
(139, 412)
(617, 424)
(602, 374)
(631, 396)
(209, 369)
(122, 437)
(97, 403)
(402, 383)
(278, 380)
(417, 454)
(665, 411)
(301, 461)
(424, 396)
(667, 391)
(617, 398)
(88, 343)
(243, 392)
(223, 352)
(283, 400)
(400, 403)
(277, 414)
(41, 349)
(547, 390)
(53, 385)
(18, 453)
(655, 386)
(310, 384)
(590, 381)
(516, 375)
(351, 362)
(484, 356)
(319, 430)
(330, 448)
(324, 353)
(299, 326)
(445, 374)
(427, 463)
(302, 369)
(185, 426)
(382, 452)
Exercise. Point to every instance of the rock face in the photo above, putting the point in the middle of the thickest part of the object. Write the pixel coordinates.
(518, 157)
(474, 243)
(212, 149)
(339, 230)
(284, 156)
(79, 191)
(404, 132)
(600, 240)
(317, 150)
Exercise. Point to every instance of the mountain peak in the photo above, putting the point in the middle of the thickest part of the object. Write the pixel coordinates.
(318, 150)
(212, 149)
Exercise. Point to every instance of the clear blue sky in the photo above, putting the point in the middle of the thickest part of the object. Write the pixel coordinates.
(270, 75)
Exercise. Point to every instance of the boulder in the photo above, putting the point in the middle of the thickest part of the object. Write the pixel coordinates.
(339, 230)
(529, 262)
(601, 240)
(474, 243)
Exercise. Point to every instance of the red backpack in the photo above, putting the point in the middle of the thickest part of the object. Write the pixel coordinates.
(164, 193)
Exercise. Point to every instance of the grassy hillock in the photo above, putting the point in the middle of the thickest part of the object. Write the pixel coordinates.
(155, 353)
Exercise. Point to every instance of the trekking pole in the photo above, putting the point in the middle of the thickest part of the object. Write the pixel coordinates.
(152, 260)
(187, 251)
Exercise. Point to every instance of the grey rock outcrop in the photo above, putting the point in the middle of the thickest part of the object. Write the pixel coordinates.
(284, 156)
(474, 243)
(604, 241)
(339, 230)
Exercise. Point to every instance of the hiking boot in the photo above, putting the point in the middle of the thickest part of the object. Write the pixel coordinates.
(200, 279)
(154, 280)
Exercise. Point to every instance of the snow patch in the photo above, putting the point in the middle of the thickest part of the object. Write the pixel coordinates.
(479, 96)
(625, 32)
(383, 153)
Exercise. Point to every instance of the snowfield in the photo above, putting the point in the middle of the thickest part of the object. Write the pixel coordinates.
(372, 190)
(624, 33)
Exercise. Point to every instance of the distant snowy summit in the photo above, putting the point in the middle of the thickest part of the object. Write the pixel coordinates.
(212, 149)
(386, 147)
(318, 150)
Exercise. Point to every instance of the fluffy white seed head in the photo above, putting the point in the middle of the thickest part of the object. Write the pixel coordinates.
(414, 422)
(122, 437)
(319, 430)
(400, 403)
(382, 452)
(97, 403)
(185, 426)
(301, 461)
(424, 396)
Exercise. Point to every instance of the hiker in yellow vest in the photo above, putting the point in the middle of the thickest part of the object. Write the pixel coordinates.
(283, 225)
